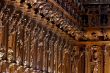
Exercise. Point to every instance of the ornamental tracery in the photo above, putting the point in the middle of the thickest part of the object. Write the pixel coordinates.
(38, 37)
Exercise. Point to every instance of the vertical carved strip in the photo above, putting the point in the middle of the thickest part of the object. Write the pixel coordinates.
(87, 53)
(19, 17)
(44, 53)
(60, 55)
(66, 59)
(40, 49)
(49, 52)
(56, 55)
(70, 60)
(107, 59)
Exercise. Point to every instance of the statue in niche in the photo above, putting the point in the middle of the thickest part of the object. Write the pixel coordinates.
(94, 59)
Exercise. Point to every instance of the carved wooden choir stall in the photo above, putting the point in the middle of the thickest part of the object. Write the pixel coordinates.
(54, 36)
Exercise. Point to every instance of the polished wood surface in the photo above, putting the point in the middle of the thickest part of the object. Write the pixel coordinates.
(36, 38)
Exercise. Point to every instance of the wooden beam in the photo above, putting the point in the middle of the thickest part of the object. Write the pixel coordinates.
(96, 27)
(95, 43)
